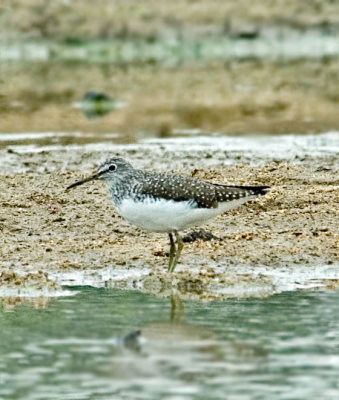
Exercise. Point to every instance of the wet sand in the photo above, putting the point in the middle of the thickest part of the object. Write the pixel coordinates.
(235, 98)
(47, 232)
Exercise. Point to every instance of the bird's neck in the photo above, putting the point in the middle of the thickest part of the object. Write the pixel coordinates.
(122, 187)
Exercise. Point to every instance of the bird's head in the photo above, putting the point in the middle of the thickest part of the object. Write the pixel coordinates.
(113, 170)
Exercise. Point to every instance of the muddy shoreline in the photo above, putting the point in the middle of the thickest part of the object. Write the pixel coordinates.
(74, 22)
(47, 232)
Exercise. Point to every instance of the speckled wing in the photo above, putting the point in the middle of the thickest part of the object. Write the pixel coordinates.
(179, 188)
(203, 194)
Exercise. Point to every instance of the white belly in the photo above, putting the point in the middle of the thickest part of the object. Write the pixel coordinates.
(168, 215)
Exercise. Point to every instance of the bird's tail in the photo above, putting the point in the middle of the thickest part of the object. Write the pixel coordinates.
(256, 190)
(229, 192)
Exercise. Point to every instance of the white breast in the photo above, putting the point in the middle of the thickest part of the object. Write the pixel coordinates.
(167, 215)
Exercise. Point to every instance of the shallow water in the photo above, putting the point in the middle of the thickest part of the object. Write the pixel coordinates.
(282, 347)
(64, 149)
(273, 45)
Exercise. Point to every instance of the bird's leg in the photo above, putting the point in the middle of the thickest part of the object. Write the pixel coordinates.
(172, 252)
(177, 308)
(180, 245)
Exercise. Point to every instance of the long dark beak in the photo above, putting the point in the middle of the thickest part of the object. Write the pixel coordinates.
(89, 178)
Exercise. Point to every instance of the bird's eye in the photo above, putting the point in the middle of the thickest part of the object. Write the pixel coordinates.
(112, 167)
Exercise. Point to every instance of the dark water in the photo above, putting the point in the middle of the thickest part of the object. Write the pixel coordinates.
(282, 347)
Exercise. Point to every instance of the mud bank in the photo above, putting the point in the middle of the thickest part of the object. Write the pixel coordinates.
(76, 237)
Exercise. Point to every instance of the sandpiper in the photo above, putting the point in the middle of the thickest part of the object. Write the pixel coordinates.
(165, 202)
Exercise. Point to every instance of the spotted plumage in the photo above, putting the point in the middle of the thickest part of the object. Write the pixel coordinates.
(203, 194)
(164, 202)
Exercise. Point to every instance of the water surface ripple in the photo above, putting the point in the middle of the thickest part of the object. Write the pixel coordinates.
(282, 347)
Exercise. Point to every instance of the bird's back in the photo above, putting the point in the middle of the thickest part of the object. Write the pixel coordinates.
(204, 194)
